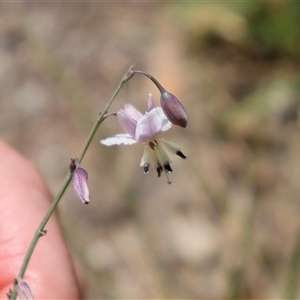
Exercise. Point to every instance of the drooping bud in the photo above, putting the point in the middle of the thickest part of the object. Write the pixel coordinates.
(80, 181)
(173, 109)
(171, 106)
(23, 289)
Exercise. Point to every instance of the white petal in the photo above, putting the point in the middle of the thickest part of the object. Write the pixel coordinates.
(128, 124)
(132, 112)
(118, 139)
(151, 124)
(151, 103)
(165, 123)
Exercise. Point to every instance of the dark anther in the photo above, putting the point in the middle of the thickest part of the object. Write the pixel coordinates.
(159, 169)
(179, 153)
(146, 168)
(168, 168)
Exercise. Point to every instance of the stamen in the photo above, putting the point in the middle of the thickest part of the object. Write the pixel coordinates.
(168, 168)
(159, 169)
(151, 145)
(179, 153)
(167, 176)
(146, 168)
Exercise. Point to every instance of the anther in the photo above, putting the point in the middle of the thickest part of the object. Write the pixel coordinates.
(179, 153)
(168, 168)
(146, 168)
(159, 169)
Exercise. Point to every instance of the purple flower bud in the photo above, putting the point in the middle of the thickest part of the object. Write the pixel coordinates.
(80, 184)
(171, 106)
(23, 290)
(173, 109)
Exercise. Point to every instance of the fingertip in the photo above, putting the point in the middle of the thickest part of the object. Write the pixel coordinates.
(24, 201)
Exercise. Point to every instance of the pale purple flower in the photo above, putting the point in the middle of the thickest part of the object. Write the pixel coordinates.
(145, 129)
(80, 181)
(23, 289)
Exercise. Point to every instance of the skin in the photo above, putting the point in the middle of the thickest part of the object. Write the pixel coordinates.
(24, 200)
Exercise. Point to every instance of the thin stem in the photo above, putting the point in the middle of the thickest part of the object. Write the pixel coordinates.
(40, 230)
(102, 116)
(159, 86)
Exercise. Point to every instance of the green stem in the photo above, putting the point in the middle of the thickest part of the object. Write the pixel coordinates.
(158, 85)
(40, 230)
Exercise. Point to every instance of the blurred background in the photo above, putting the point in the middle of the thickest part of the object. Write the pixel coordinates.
(228, 226)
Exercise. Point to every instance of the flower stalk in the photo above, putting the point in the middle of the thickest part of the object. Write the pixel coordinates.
(40, 230)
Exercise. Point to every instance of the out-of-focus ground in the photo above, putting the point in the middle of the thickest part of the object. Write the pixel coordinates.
(228, 226)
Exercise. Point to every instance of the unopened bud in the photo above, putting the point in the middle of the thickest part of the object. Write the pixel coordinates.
(23, 290)
(171, 106)
(80, 181)
(173, 109)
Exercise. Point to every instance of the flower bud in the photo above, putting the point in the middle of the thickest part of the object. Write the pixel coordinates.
(173, 109)
(79, 181)
(171, 106)
(23, 290)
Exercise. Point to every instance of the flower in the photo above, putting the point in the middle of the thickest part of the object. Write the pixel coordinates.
(145, 129)
(79, 181)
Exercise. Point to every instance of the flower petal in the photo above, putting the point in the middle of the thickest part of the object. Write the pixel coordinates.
(151, 124)
(151, 103)
(128, 123)
(132, 112)
(118, 139)
(165, 123)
